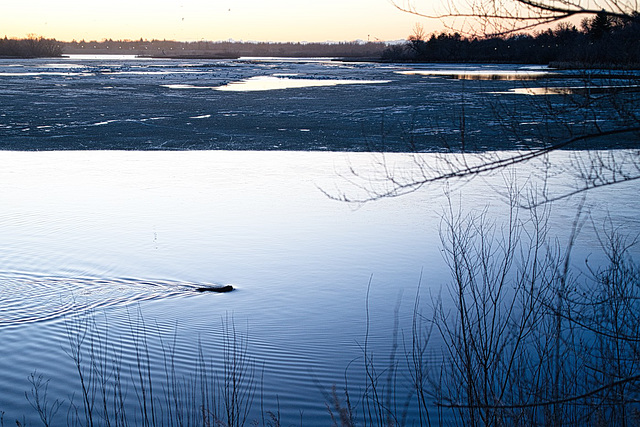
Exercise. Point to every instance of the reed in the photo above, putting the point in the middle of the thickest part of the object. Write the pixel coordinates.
(518, 336)
(112, 392)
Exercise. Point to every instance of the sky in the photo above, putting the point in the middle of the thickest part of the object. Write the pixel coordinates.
(187, 20)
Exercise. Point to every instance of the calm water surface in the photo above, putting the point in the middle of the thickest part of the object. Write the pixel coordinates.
(115, 232)
(117, 235)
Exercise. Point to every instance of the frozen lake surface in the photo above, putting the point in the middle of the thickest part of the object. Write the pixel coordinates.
(273, 104)
(115, 235)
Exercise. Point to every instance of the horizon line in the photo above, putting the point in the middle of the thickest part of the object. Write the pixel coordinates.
(230, 40)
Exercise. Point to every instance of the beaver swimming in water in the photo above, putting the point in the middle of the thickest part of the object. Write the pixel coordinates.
(218, 288)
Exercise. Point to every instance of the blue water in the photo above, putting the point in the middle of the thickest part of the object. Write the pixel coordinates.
(118, 234)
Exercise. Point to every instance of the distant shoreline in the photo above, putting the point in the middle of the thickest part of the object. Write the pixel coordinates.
(191, 56)
(559, 65)
(443, 49)
(224, 50)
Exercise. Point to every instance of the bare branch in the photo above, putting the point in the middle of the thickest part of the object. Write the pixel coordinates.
(399, 186)
(590, 393)
(520, 15)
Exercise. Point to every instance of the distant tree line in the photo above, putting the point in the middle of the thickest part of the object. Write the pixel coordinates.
(227, 48)
(601, 40)
(31, 47)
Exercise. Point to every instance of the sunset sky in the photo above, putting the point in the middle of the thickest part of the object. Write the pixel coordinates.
(248, 20)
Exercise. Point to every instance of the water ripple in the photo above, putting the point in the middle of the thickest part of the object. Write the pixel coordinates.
(29, 298)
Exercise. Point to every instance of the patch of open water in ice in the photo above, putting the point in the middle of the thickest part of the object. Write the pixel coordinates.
(461, 74)
(264, 83)
(573, 90)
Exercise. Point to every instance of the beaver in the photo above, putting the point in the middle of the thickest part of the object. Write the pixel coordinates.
(216, 288)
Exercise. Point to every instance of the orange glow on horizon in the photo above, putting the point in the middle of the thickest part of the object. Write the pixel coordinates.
(191, 20)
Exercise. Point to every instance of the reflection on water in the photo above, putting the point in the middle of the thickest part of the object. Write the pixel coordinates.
(481, 74)
(574, 90)
(260, 83)
(74, 224)
(102, 230)
(273, 83)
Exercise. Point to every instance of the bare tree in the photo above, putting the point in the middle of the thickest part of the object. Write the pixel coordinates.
(500, 17)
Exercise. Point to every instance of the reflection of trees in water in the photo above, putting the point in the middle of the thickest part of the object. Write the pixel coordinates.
(517, 336)
(531, 340)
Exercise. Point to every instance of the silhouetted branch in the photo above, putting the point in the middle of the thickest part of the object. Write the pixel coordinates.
(546, 403)
(398, 186)
(520, 15)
